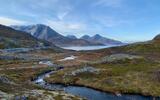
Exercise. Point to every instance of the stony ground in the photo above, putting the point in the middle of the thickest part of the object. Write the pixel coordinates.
(129, 69)
(18, 69)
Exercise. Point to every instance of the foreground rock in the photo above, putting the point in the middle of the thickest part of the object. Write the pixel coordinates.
(87, 69)
(38, 95)
(5, 80)
(117, 57)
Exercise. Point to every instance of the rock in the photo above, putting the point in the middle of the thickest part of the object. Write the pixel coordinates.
(156, 75)
(49, 63)
(85, 69)
(118, 57)
(4, 79)
(8, 58)
(68, 58)
(47, 95)
(5, 96)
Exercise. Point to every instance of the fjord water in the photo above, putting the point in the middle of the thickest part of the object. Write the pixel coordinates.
(88, 93)
(78, 48)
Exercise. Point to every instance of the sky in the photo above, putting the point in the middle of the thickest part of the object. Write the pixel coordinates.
(124, 20)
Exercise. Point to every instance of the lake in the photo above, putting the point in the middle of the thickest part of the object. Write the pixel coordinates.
(78, 48)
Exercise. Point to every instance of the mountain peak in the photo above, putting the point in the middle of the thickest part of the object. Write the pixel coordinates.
(44, 32)
(85, 37)
(71, 36)
(97, 36)
(41, 25)
(157, 37)
(11, 38)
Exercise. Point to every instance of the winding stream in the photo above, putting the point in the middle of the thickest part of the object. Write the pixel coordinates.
(85, 92)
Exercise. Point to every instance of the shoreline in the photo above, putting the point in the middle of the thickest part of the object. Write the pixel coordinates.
(100, 90)
(116, 93)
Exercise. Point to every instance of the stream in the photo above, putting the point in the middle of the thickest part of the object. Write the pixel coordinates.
(88, 93)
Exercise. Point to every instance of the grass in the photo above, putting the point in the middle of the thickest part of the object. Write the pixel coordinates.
(127, 77)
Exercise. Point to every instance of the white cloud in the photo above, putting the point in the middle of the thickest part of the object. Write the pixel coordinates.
(108, 3)
(109, 21)
(61, 15)
(66, 27)
(9, 21)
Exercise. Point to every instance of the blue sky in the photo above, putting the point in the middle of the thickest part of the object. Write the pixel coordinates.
(125, 20)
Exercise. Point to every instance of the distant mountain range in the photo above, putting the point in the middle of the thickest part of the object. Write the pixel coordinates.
(100, 39)
(10, 38)
(46, 33)
(71, 37)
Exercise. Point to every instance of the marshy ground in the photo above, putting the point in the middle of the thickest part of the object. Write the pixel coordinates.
(128, 69)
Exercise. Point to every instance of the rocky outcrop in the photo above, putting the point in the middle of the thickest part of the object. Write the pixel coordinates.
(87, 69)
(5, 79)
(38, 95)
(156, 75)
(117, 57)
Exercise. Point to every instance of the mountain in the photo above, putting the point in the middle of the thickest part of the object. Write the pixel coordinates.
(46, 33)
(100, 39)
(71, 36)
(157, 38)
(86, 37)
(147, 48)
(10, 38)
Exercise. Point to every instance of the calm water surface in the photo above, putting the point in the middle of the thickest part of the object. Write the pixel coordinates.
(88, 93)
(78, 48)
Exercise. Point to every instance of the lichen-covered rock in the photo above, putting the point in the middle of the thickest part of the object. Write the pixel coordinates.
(5, 96)
(156, 75)
(117, 57)
(88, 69)
(38, 95)
(46, 95)
(46, 62)
(5, 79)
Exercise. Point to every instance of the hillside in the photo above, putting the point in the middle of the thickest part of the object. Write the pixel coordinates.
(130, 69)
(10, 38)
(100, 39)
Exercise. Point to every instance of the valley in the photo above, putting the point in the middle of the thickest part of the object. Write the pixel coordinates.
(79, 50)
(126, 71)
(114, 71)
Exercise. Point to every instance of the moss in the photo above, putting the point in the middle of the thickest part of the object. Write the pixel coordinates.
(128, 77)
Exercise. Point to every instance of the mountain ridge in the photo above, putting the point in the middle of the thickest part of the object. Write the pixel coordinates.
(100, 39)
(45, 32)
(11, 38)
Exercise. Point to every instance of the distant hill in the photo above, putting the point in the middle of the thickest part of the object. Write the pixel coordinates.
(71, 36)
(46, 33)
(157, 38)
(100, 39)
(147, 48)
(10, 38)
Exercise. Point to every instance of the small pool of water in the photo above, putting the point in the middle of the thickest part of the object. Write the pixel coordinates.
(90, 94)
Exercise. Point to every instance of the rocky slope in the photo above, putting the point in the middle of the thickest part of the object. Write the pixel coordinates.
(10, 38)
